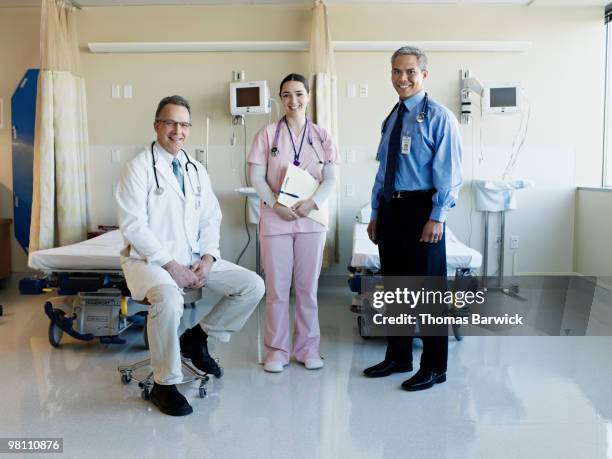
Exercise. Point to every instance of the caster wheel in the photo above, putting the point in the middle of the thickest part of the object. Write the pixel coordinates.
(56, 333)
(145, 334)
(145, 394)
(126, 378)
(361, 327)
(220, 375)
(202, 391)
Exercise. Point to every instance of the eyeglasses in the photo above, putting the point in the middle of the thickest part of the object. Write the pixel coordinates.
(173, 124)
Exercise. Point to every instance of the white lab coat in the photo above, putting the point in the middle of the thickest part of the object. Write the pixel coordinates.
(158, 228)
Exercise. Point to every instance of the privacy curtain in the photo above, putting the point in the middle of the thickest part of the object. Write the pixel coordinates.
(325, 108)
(59, 201)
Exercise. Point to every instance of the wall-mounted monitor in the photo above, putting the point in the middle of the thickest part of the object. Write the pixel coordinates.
(502, 98)
(249, 97)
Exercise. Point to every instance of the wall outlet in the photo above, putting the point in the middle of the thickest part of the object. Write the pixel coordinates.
(127, 91)
(116, 91)
(363, 90)
(350, 156)
(514, 242)
(116, 156)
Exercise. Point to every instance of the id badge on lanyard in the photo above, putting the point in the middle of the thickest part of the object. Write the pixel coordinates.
(406, 141)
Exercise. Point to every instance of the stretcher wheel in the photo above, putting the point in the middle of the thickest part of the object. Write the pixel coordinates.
(202, 391)
(145, 393)
(56, 333)
(126, 378)
(361, 328)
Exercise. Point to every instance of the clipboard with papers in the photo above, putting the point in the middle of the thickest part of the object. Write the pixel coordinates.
(298, 185)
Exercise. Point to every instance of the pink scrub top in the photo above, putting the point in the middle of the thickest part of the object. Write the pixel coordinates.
(270, 223)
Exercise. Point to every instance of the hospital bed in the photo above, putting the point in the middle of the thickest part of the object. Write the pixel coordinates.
(462, 263)
(93, 293)
(94, 301)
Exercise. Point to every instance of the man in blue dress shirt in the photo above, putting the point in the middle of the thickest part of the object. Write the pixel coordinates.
(418, 181)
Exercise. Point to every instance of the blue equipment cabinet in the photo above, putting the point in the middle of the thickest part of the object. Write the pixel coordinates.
(23, 109)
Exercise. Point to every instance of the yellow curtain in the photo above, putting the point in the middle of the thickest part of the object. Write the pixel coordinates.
(325, 108)
(61, 151)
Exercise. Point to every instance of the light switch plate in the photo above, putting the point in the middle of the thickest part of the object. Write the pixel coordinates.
(351, 90)
(127, 91)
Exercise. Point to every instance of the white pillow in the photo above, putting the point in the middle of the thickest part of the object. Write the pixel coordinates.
(364, 214)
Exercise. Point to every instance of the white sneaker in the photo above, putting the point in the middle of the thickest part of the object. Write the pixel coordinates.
(274, 366)
(314, 363)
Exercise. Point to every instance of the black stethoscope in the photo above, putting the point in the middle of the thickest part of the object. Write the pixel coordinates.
(423, 114)
(296, 157)
(420, 118)
(197, 191)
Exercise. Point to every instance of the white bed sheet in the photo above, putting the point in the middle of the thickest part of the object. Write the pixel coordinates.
(100, 254)
(458, 255)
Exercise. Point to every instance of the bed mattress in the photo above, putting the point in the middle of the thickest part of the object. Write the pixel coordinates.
(458, 255)
(98, 254)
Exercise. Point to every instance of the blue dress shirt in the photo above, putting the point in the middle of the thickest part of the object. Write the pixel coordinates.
(434, 161)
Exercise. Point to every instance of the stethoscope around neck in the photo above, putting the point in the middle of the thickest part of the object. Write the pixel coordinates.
(420, 118)
(274, 150)
(160, 190)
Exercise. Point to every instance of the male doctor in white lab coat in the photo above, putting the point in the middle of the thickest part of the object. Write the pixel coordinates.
(170, 221)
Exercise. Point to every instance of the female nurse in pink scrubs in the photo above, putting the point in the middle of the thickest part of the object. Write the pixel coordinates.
(291, 243)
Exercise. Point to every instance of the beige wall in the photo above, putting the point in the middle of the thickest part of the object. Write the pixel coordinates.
(593, 247)
(19, 51)
(563, 73)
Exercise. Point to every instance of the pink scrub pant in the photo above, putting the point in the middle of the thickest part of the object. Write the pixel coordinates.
(287, 256)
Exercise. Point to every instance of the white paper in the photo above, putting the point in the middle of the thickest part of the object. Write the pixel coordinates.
(299, 185)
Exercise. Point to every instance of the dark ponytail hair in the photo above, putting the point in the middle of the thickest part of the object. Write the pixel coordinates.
(294, 77)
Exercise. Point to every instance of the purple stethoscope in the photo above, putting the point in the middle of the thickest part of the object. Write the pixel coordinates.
(296, 153)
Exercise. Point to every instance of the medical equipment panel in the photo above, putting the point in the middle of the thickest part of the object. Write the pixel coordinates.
(249, 97)
(23, 119)
(99, 313)
(502, 98)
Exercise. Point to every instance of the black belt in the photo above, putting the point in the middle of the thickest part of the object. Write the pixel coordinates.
(410, 193)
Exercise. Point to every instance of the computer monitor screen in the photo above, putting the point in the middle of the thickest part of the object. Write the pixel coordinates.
(247, 97)
(502, 97)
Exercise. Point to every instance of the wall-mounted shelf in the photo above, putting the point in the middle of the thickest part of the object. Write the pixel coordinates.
(284, 46)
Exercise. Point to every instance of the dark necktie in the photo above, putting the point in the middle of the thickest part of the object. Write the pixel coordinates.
(393, 151)
(176, 169)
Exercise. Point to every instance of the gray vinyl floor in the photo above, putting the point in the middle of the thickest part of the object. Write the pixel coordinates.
(506, 397)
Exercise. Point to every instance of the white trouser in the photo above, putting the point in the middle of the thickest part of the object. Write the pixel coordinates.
(241, 289)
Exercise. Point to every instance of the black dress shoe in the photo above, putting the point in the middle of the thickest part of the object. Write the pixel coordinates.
(169, 400)
(423, 379)
(194, 346)
(387, 367)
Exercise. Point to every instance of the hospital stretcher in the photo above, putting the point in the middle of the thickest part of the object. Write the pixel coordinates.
(462, 263)
(94, 301)
(89, 279)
